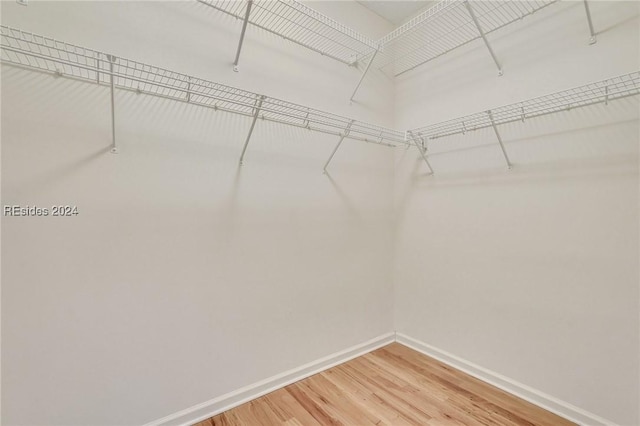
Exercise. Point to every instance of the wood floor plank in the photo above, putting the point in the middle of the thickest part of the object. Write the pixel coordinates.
(366, 398)
(388, 396)
(517, 407)
(325, 394)
(399, 393)
(284, 401)
(393, 385)
(352, 401)
(420, 396)
(316, 410)
(459, 399)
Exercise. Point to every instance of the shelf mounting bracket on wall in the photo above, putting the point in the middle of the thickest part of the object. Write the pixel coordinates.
(495, 129)
(592, 39)
(483, 35)
(114, 147)
(364, 73)
(408, 135)
(242, 33)
(253, 124)
(342, 136)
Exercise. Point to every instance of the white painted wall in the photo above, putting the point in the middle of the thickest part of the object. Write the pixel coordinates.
(532, 273)
(183, 277)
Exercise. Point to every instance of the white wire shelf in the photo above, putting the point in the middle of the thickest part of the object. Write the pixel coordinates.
(600, 92)
(301, 25)
(33, 51)
(24, 49)
(444, 27)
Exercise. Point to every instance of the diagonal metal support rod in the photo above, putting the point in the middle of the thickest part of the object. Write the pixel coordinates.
(483, 35)
(364, 73)
(244, 30)
(592, 39)
(253, 124)
(114, 148)
(424, 156)
(342, 136)
(495, 129)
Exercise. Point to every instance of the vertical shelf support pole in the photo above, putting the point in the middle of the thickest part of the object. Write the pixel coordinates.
(98, 68)
(592, 39)
(364, 73)
(495, 129)
(114, 147)
(244, 30)
(253, 124)
(342, 136)
(482, 34)
(408, 135)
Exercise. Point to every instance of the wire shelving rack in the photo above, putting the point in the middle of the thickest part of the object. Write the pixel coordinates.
(299, 24)
(33, 51)
(599, 92)
(440, 29)
(446, 26)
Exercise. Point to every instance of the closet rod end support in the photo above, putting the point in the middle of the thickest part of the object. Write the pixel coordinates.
(500, 72)
(593, 40)
(235, 68)
(114, 150)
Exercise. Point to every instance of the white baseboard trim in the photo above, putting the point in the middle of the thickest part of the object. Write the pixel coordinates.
(225, 402)
(534, 396)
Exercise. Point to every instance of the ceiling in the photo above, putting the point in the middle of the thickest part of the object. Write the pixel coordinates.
(396, 11)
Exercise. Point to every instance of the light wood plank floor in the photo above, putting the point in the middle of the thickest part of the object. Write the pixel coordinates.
(393, 385)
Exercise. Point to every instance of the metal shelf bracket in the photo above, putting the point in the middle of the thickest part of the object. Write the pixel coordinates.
(592, 39)
(112, 61)
(409, 135)
(242, 33)
(364, 73)
(342, 136)
(495, 129)
(483, 35)
(98, 68)
(253, 124)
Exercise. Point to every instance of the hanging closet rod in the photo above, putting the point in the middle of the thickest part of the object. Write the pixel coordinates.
(300, 24)
(46, 54)
(599, 92)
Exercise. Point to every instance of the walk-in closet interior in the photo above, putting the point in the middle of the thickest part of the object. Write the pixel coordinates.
(263, 212)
